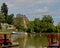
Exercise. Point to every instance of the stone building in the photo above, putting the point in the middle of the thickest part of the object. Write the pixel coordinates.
(25, 19)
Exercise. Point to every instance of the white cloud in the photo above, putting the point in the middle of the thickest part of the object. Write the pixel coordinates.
(40, 11)
(22, 4)
(45, 11)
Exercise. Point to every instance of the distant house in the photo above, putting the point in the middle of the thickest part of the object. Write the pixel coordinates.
(6, 26)
(11, 27)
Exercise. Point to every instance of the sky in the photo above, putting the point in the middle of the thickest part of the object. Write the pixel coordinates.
(34, 8)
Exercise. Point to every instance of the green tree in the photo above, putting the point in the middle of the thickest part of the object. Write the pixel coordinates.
(43, 26)
(4, 10)
(47, 24)
(37, 25)
(18, 23)
(9, 19)
(47, 18)
(47, 27)
(50, 27)
(58, 27)
(30, 27)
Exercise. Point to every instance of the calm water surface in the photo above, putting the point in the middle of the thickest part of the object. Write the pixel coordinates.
(31, 41)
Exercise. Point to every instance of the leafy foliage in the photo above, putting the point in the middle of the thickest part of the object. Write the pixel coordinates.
(30, 26)
(37, 25)
(18, 23)
(4, 9)
(9, 19)
(47, 18)
(44, 25)
(58, 27)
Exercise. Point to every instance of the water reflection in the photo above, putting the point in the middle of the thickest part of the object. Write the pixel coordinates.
(35, 40)
(31, 41)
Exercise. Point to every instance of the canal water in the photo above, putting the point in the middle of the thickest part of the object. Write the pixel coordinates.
(32, 40)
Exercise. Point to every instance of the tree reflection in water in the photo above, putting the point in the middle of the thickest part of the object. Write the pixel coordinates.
(36, 40)
(32, 41)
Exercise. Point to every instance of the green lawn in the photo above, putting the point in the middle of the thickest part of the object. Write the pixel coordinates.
(5, 32)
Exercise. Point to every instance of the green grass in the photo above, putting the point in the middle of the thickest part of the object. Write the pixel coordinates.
(5, 32)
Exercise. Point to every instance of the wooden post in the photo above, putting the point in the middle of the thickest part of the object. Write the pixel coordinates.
(5, 39)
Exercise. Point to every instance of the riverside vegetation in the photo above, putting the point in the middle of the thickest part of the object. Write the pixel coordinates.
(44, 25)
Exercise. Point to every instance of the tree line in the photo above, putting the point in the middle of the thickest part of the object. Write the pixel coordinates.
(43, 25)
(37, 25)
